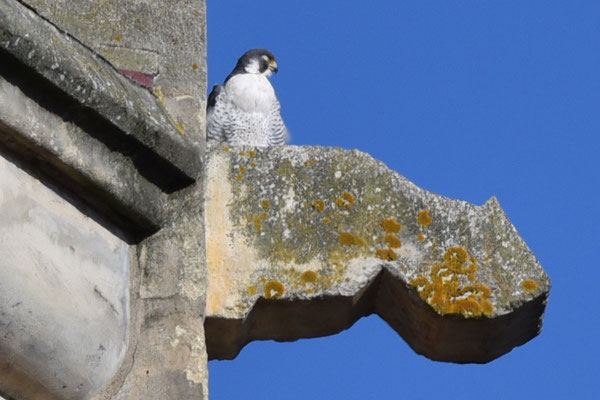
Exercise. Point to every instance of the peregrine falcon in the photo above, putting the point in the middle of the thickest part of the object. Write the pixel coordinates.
(245, 110)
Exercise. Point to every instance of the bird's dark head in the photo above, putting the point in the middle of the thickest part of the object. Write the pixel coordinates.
(257, 61)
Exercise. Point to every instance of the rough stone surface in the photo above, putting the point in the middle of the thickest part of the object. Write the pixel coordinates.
(94, 84)
(130, 159)
(167, 354)
(167, 42)
(64, 294)
(301, 242)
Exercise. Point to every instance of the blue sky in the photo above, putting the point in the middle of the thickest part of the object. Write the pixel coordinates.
(468, 99)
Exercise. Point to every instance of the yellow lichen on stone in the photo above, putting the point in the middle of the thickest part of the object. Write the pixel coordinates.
(392, 241)
(242, 170)
(180, 128)
(159, 95)
(386, 254)
(238, 177)
(420, 237)
(265, 204)
(424, 218)
(318, 205)
(456, 255)
(390, 225)
(309, 276)
(349, 198)
(242, 153)
(194, 66)
(326, 220)
(252, 153)
(444, 290)
(346, 200)
(529, 285)
(274, 290)
(257, 223)
(252, 290)
(225, 148)
(350, 239)
(263, 215)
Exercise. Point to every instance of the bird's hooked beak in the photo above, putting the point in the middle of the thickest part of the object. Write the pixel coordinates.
(273, 66)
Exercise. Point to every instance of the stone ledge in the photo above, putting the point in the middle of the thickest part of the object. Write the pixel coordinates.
(101, 183)
(136, 123)
(303, 241)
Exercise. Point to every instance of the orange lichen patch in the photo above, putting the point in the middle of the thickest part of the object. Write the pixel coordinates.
(263, 215)
(265, 204)
(226, 148)
(242, 153)
(313, 160)
(392, 241)
(238, 177)
(252, 153)
(346, 200)
(487, 307)
(242, 170)
(386, 254)
(118, 38)
(530, 285)
(194, 66)
(274, 289)
(456, 255)
(308, 290)
(309, 276)
(262, 279)
(424, 218)
(257, 223)
(326, 220)
(420, 237)
(444, 288)
(350, 239)
(390, 225)
(253, 164)
(251, 290)
(318, 205)
(477, 287)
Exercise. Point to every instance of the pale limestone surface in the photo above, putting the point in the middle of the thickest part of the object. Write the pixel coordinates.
(125, 155)
(64, 290)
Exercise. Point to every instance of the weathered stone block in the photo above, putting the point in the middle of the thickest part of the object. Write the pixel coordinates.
(131, 116)
(302, 241)
(64, 294)
(164, 42)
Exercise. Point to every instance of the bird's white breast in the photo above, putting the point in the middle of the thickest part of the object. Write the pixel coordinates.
(252, 93)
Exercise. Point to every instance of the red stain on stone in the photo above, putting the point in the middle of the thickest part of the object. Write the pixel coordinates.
(142, 78)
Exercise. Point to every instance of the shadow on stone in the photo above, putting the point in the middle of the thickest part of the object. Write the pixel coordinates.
(441, 338)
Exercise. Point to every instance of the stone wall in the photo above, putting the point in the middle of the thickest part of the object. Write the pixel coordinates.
(101, 142)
